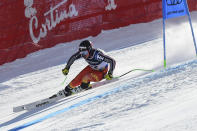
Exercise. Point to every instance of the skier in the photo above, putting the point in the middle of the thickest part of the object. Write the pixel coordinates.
(100, 66)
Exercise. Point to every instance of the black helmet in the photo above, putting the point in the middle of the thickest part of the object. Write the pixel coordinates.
(85, 45)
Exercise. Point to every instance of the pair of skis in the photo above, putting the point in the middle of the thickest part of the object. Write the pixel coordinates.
(56, 97)
(61, 95)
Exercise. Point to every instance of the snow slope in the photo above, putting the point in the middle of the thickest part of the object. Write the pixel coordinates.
(141, 101)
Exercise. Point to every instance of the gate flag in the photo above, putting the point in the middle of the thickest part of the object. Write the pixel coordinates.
(173, 9)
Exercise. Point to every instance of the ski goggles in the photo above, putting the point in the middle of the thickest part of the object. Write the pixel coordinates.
(84, 53)
(82, 49)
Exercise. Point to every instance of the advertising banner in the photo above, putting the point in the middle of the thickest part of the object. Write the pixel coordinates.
(30, 25)
(174, 8)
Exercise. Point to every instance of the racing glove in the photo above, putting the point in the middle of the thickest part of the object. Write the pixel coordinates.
(108, 76)
(65, 71)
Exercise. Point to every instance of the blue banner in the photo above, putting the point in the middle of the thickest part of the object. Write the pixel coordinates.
(174, 8)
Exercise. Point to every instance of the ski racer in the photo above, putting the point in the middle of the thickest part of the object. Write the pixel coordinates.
(99, 66)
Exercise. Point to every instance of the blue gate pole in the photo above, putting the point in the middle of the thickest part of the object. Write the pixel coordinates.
(164, 32)
(190, 22)
(164, 42)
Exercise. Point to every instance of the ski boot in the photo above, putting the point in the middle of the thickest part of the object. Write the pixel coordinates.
(82, 87)
(66, 92)
(86, 86)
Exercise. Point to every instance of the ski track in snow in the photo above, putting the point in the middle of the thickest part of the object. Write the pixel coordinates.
(134, 98)
(141, 101)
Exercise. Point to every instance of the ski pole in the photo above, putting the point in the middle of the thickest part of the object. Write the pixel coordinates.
(64, 81)
(134, 70)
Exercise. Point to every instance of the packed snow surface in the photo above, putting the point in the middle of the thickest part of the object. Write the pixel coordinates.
(164, 100)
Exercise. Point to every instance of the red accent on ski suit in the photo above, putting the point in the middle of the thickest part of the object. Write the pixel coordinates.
(88, 75)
